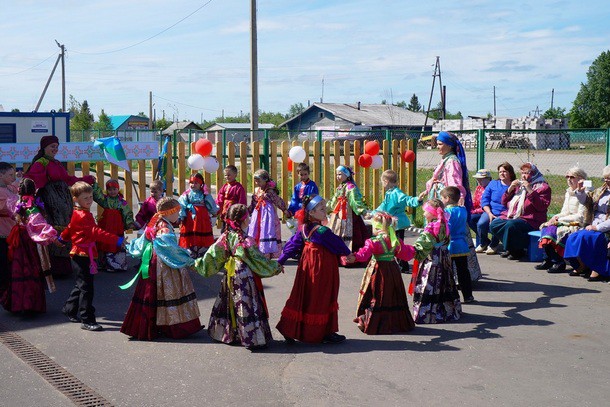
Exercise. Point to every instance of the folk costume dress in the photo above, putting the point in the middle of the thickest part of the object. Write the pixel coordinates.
(346, 209)
(301, 190)
(164, 302)
(265, 225)
(436, 298)
(570, 219)
(8, 198)
(239, 313)
(29, 261)
(146, 212)
(52, 184)
(382, 304)
(196, 228)
(311, 311)
(116, 218)
(229, 194)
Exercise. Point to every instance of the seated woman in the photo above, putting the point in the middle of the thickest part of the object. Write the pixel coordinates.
(555, 232)
(527, 200)
(586, 249)
(492, 205)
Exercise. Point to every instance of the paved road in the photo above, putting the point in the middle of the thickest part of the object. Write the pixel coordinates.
(531, 339)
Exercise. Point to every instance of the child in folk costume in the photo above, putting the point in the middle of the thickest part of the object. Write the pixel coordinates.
(265, 226)
(116, 218)
(83, 233)
(239, 314)
(460, 237)
(148, 208)
(310, 313)
(232, 192)
(305, 187)
(30, 262)
(346, 208)
(435, 298)
(382, 304)
(8, 198)
(164, 301)
(196, 208)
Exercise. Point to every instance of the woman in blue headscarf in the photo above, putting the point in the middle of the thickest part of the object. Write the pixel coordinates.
(451, 171)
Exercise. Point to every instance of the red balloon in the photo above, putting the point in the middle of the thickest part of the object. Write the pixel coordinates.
(371, 147)
(365, 160)
(408, 156)
(203, 147)
(289, 164)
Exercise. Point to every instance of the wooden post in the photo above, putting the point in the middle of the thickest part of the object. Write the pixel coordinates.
(169, 174)
(142, 179)
(182, 174)
(220, 172)
(99, 175)
(285, 146)
(317, 163)
(128, 185)
(329, 174)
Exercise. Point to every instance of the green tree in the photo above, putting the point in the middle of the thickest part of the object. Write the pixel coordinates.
(555, 113)
(270, 117)
(414, 104)
(15, 110)
(591, 108)
(82, 119)
(437, 112)
(103, 122)
(162, 124)
(402, 104)
(295, 110)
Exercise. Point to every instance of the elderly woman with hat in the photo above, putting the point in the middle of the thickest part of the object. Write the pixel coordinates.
(483, 177)
(491, 203)
(527, 200)
(451, 171)
(554, 233)
(52, 183)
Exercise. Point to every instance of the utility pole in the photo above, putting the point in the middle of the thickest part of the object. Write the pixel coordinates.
(437, 72)
(253, 72)
(552, 97)
(60, 57)
(322, 98)
(494, 100)
(150, 114)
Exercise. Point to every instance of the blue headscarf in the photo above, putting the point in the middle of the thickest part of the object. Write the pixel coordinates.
(452, 141)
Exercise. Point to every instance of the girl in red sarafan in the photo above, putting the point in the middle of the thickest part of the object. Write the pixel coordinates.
(310, 313)
(197, 206)
(382, 305)
(116, 219)
(28, 253)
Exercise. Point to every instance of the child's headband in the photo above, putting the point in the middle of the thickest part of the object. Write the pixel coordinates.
(345, 170)
(112, 184)
(313, 203)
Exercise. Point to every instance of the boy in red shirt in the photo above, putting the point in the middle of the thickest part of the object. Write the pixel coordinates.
(232, 192)
(83, 233)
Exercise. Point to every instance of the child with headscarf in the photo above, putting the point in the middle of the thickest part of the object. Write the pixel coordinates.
(382, 305)
(435, 295)
(346, 209)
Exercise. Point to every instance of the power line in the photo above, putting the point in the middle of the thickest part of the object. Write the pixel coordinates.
(30, 68)
(147, 39)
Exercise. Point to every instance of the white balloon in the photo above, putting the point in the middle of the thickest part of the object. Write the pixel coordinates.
(195, 162)
(297, 154)
(377, 162)
(210, 164)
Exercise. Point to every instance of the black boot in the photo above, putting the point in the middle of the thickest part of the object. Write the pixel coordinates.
(545, 265)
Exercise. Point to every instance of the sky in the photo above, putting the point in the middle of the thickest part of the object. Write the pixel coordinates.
(194, 56)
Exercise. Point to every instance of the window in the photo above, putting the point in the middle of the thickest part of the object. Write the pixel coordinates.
(321, 115)
(8, 133)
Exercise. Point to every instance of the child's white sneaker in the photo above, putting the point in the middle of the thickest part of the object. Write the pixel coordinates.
(480, 249)
(491, 250)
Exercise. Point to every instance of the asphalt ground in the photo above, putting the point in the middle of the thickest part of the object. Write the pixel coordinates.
(531, 338)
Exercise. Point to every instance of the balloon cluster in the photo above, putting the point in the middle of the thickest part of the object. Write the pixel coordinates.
(202, 160)
(370, 158)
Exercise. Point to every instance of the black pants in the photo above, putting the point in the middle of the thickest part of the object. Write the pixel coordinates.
(80, 302)
(5, 270)
(404, 265)
(461, 265)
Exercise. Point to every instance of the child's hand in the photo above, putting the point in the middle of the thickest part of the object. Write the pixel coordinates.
(281, 269)
(350, 258)
(58, 243)
(422, 196)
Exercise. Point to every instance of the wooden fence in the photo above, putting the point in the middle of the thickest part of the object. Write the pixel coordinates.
(246, 157)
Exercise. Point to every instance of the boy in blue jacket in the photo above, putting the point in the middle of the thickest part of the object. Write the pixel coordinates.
(459, 232)
(395, 202)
